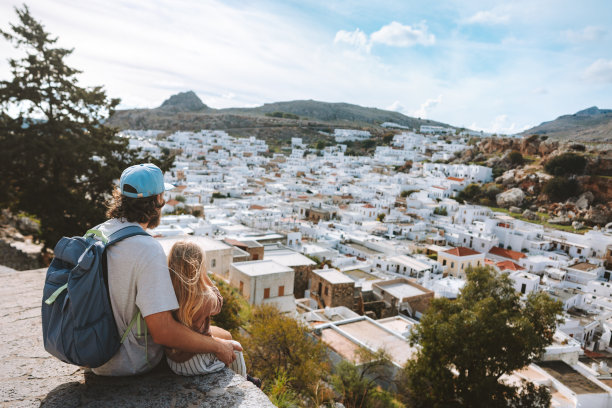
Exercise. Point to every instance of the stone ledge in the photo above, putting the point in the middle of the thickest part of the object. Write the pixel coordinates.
(30, 377)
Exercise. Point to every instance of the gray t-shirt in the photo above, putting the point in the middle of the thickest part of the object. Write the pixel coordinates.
(138, 279)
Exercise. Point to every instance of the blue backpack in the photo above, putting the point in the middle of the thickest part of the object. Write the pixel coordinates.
(77, 317)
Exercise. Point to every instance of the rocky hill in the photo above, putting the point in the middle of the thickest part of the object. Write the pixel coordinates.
(185, 111)
(521, 179)
(592, 124)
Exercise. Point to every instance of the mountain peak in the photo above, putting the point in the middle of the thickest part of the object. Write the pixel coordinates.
(184, 102)
(592, 111)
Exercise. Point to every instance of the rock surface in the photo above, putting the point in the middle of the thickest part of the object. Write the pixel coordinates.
(512, 197)
(30, 377)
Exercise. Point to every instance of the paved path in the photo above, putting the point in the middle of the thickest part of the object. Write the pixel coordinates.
(30, 377)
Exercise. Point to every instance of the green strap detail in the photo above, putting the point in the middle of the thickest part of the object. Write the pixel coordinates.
(55, 294)
(136, 321)
(97, 233)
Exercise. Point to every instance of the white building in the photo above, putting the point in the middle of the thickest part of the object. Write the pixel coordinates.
(264, 282)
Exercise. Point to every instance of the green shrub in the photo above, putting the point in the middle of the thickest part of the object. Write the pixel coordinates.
(561, 188)
(566, 164)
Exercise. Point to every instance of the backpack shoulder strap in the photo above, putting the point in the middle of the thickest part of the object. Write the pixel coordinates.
(124, 233)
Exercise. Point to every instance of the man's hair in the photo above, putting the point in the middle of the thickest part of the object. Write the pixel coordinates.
(140, 210)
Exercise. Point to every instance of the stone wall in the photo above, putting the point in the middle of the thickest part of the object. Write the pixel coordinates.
(15, 258)
(301, 277)
(30, 377)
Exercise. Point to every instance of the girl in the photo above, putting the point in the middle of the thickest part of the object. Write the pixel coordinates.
(198, 299)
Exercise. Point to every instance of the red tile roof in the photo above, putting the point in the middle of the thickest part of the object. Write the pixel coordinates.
(455, 179)
(256, 207)
(509, 265)
(507, 253)
(462, 251)
(172, 202)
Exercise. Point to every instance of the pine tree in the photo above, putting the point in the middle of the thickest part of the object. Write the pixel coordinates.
(58, 160)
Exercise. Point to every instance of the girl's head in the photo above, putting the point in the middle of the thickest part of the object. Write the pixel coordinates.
(187, 274)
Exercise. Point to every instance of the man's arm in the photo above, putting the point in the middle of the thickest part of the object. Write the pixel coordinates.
(168, 332)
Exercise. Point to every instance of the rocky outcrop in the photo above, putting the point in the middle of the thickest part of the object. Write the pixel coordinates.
(16, 247)
(512, 197)
(30, 377)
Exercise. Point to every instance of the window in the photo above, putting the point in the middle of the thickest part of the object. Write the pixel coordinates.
(461, 266)
(320, 289)
(452, 264)
(266, 293)
(444, 262)
(326, 290)
(281, 290)
(213, 263)
(523, 287)
(241, 288)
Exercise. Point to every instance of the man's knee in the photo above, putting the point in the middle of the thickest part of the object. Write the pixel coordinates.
(220, 333)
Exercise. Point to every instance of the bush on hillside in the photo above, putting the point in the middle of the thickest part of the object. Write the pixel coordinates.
(566, 164)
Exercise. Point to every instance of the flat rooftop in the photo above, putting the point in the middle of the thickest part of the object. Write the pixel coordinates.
(287, 257)
(584, 266)
(370, 334)
(207, 244)
(362, 248)
(401, 290)
(358, 274)
(333, 276)
(396, 324)
(570, 377)
(259, 268)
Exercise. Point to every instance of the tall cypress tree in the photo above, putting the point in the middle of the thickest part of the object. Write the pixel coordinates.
(57, 158)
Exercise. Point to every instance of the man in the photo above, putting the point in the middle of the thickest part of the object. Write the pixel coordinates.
(139, 281)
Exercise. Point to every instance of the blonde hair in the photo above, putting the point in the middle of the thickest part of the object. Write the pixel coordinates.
(187, 272)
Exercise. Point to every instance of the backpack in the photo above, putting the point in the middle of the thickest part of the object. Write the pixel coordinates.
(77, 316)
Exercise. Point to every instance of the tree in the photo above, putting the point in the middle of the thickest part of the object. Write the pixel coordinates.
(235, 309)
(516, 158)
(561, 188)
(381, 217)
(276, 343)
(566, 164)
(466, 345)
(58, 160)
(359, 384)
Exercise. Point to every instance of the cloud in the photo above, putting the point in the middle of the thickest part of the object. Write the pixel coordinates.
(357, 39)
(427, 106)
(500, 125)
(587, 34)
(396, 107)
(599, 71)
(488, 17)
(398, 35)
(393, 34)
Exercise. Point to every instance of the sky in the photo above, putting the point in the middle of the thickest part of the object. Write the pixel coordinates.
(497, 66)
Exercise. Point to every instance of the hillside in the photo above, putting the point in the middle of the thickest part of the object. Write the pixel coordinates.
(592, 124)
(185, 111)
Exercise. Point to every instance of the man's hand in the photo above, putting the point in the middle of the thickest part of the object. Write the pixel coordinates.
(226, 350)
(170, 333)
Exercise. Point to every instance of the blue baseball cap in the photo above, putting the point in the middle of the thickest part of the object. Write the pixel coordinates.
(143, 180)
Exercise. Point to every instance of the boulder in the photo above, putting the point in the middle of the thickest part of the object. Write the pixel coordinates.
(560, 220)
(515, 210)
(512, 197)
(584, 200)
(577, 225)
(530, 215)
(597, 215)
